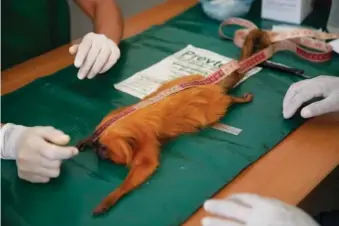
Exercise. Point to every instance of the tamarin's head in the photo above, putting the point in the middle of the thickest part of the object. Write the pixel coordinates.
(123, 142)
(118, 147)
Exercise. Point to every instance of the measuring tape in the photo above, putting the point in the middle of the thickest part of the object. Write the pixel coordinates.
(287, 40)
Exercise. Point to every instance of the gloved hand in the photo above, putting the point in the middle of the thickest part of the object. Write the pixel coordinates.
(300, 92)
(254, 210)
(95, 54)
(38, 151)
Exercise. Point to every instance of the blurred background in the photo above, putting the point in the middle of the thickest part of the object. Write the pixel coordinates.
(81, 24)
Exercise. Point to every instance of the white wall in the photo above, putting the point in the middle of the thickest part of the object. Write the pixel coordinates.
(81, 24)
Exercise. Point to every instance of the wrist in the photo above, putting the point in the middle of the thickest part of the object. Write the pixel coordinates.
(113, 38)
(10, 135)
(115, 46)
(113, 43)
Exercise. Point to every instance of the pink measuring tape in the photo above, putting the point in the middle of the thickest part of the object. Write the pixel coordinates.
(288, 40)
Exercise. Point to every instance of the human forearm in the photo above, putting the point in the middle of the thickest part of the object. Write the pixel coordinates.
(106, 17)
(108, 21)
(38, 151)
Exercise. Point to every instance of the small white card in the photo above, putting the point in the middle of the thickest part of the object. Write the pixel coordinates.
(189, 60)
(227, 128)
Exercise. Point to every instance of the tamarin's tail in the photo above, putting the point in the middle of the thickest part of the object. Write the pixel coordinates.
(255, 41)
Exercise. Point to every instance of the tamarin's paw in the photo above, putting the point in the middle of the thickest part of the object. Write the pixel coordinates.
(248, 97)
(83, 143)
(99, 211)
(102, 151)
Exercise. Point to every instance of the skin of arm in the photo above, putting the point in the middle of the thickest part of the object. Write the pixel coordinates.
(106, 17)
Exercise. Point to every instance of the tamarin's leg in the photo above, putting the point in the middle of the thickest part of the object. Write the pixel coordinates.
(143, 165)
(247, 97)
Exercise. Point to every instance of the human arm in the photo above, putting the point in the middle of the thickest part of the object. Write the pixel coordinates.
(98, 50)
(106, 17)
(254, 210)
(38, 151)
(324, 86)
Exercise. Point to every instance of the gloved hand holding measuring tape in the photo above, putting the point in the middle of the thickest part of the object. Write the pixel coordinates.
(38, 151)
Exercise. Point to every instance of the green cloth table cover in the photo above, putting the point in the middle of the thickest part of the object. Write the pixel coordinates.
(193, 167)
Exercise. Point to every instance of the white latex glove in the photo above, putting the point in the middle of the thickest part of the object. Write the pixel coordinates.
(254, 210)
(300, 92)
(95, 54)
(38, 151)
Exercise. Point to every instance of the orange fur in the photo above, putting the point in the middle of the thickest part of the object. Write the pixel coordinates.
(135, 140)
